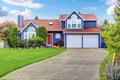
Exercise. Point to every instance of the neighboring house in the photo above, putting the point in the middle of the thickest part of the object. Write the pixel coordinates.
(75, 30)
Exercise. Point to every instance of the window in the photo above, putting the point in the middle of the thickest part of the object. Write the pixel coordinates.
(57, 36)
(74, 23)
(30, 33)
(69, 23)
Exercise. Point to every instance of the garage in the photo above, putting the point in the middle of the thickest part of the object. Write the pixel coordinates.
(82, 41)
(74, 41)
(90, 41)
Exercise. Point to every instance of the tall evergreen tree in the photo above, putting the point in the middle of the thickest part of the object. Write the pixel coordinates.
(12, 36)
(42, 32)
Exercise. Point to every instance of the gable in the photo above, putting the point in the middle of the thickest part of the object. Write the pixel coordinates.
(30, 24)
(74, 13)
(86, 17)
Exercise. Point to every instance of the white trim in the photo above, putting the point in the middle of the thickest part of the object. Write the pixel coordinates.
(64, 40)
(27, 25)
(79, 32)
(77, 14)
(47, 40)
(57, 36)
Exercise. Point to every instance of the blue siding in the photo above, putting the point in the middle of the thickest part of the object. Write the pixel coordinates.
(90, 23)
(78, 16)
(55, 39)
(62, 24)
(26, 29)
(99, 41)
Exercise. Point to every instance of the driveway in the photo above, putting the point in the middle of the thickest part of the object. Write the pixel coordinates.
(74, 64)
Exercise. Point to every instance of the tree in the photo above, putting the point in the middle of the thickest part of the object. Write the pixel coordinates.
(12, 37)
(4, 27)
(112, 36)
(79, 12)
(105, 26)
(42, 32)
(38, 40)
(36, 18)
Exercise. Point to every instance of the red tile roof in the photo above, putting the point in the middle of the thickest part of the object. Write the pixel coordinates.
(50, 27)
(86, 17)
(55, 26)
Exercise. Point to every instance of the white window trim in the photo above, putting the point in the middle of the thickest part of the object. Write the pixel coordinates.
(28, 34)
(78, 21)
(57, 36)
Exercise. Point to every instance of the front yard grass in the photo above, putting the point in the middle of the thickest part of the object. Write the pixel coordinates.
(12, 59)
(109, 57)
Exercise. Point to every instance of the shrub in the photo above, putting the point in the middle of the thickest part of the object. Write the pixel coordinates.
(22, 43)
(112, 71)
(59, 43)
(38, 40)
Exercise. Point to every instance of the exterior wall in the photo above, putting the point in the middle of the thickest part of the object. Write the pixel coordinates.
(69, 17)
(90, 23)
(55, 39)
(26, 29)
(62, 24)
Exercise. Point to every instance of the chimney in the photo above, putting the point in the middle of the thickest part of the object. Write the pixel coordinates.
(20, 20)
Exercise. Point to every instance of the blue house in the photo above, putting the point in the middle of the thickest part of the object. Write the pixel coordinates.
(74, 30)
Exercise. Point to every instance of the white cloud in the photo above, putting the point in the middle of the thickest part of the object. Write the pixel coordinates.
(90, 8)
(27, 12)
(111, 4)
(3, 11)
(110, 10)
(24, 3)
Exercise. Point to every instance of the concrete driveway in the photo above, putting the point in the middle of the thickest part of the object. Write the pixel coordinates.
(74, 64)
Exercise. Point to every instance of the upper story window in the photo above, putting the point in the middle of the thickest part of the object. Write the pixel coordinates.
(74, 22)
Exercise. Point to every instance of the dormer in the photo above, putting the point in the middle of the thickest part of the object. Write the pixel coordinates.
(74, 21)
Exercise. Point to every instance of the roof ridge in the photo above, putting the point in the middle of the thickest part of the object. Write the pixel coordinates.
(38, 19)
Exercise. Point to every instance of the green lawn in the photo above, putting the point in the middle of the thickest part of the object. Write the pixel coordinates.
(109, 57)
(12, 59)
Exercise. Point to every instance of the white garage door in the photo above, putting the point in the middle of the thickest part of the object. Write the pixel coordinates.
(90, 41)
(74, 41)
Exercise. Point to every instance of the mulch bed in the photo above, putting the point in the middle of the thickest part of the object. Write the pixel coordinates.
(117, 59)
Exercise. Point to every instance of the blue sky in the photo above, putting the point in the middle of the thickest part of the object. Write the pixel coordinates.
(51, 9)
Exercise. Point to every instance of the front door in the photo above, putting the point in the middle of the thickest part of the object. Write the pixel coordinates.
(49, 40)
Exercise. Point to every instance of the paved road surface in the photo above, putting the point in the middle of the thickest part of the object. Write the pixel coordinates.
(74, 64)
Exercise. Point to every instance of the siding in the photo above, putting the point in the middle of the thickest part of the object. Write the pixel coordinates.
(26, 29)
(90, 23)
(69, 17)
(62, 24)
